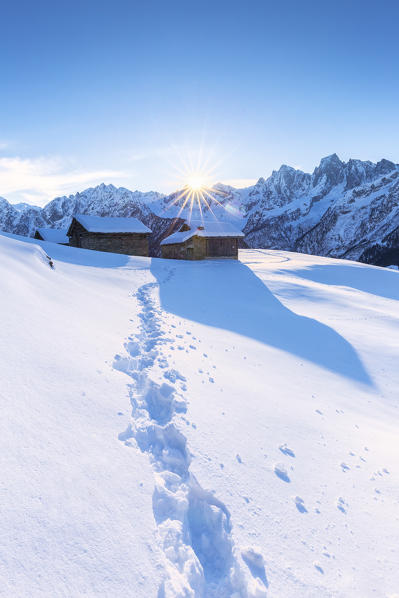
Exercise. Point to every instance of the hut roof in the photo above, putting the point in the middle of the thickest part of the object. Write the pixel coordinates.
(108, 224)
(53, 235)
(203, 229)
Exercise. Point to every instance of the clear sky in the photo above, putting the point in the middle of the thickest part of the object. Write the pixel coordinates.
(127, 92)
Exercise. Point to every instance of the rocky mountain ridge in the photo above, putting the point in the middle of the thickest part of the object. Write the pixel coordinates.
(103, 200)
(343, 209)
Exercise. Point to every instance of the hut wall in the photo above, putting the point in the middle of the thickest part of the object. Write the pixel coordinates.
(127, 243)
(192, 249)
(173, 252)
(198, 248)
(219, 247)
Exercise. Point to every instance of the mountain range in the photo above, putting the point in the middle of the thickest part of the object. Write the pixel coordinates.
(343, 209)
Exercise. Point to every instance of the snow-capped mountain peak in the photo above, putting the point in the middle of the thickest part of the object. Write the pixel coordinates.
(342, 209)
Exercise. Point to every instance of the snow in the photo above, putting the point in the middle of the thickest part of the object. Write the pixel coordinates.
(110, 224)
(344, 209)
(212, 429)
(54, 235)
(179, 237)
(200, 228)
(21, 207)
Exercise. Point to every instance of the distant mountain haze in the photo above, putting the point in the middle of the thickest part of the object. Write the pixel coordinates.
(343, 209)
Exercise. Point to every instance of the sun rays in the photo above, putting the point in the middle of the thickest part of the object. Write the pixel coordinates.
(196, 196)
(196, 179)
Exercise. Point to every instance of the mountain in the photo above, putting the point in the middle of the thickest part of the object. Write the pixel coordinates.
(343, 209)
(103, 200)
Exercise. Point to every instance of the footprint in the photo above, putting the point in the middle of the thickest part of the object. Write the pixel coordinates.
(173, 375)
(126, 434)
(286, 450)
(341, 504)
(281, 472)
(319, 568)
(345, 467)
(133, 348)
(256, 564)
(300, 505)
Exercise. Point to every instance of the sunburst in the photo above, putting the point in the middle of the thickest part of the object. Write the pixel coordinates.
(197, 189)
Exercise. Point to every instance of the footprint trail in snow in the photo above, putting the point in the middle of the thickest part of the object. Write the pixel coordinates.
(194, 527)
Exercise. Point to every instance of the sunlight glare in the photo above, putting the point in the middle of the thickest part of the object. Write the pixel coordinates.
(197, 196)
(196, 182)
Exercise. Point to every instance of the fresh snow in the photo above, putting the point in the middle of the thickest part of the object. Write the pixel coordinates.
(203, 228)
(214, 429)
(54, 235)
(343, 209)
(110, 224)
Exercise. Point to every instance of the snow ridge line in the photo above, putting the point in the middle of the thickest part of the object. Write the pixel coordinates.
(194, 527)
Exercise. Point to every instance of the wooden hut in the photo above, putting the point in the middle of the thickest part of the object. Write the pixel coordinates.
(53, 235)
(116, 235)
(198, 240)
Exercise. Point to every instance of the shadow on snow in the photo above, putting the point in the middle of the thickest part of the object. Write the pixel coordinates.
(228, 295)
(376, 281)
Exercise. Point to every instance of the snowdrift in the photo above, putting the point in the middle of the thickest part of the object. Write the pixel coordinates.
(212, 429)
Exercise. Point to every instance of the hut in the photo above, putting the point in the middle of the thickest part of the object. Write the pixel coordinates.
(53, 235)
(197, 240)
(116, 235)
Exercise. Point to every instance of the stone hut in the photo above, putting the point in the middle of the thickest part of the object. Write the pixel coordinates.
(197, 240)
(116, 235)
(53, 235)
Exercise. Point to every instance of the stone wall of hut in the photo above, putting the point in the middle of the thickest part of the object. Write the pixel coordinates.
(127, 243)
(192, 249)
(199, 248)
(219, 247)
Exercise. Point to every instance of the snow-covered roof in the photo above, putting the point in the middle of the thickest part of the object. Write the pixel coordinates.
(53, 235)
(178, 237)
(203, 229)
(110, 224)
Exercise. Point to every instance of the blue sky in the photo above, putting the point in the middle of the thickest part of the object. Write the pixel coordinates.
(132, 92)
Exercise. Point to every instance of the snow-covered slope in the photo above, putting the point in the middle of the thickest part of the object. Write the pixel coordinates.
(103, 200)
(343, 209)
(215, 429)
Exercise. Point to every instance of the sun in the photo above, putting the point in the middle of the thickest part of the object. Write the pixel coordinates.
(196, 196)
(196, 182)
